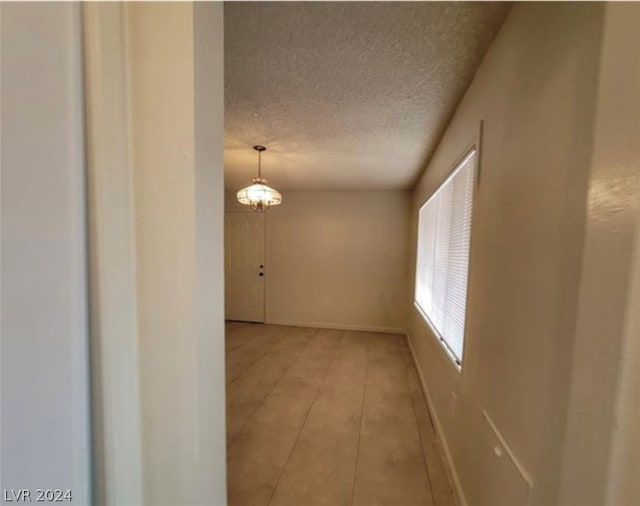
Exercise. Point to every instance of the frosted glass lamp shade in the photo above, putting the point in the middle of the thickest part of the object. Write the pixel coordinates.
(259, 195)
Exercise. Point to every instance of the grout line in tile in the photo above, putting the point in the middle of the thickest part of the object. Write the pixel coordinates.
(246, 328)
(274, 386)
(267, 350)
(364, 396)
(304, 422)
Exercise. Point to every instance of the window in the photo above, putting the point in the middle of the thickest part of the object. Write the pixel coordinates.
(444, 233)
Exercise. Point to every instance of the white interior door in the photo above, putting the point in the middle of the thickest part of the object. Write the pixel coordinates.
(244, 266)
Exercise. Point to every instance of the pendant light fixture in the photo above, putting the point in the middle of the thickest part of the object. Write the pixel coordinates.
(258, 195)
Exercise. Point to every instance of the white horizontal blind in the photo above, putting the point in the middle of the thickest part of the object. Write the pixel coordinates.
(444, 234)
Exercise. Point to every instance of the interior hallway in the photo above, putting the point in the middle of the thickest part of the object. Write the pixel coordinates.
(318, 416)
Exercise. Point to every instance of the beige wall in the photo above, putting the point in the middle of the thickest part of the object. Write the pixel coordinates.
(337, 259)
(601, 463)
(210, 465)
(174, 56)
(535, 93)
(162, 129)
(44, 415)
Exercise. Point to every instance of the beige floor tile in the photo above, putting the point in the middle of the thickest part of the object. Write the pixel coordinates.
(390, 480)
(392, 420)
(347, 393)
(255, 387)
(330, 336)
(386, 375)
(386, 343)
(260, 340)
(238, 414)
(273, 428)
(320, 470)
(251, 484)
(283, 410)
(327, 417)
(346, 377)
(438, 477)
(263, 443)
(391, 467)
(298, 385)
(306, 375)
(239, 336)
(304, 331)
(263, 375)
(335, 414)
(315, 364)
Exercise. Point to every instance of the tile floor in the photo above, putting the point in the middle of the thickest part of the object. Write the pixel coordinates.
(329, 417)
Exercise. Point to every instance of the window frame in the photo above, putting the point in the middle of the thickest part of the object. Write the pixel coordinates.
(474, 146)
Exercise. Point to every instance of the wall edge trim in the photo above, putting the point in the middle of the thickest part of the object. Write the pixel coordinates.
(458, 491)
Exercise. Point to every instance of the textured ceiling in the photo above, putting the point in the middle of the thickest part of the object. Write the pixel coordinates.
(346, 95)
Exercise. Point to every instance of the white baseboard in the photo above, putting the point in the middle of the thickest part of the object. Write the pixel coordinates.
(337, 326)
(451, 470)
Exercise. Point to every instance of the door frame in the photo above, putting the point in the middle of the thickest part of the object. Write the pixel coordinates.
(117, 446)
